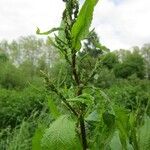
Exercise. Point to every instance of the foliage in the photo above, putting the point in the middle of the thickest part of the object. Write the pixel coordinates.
(91, 98)
(80, 28)
(92, 46)
(109, 118)
(3, 57)
(110, 60)
(146, 54)
(144, 135)
(11, 77)
(133, 63)
(60, 74)
(104, 78)
(57, 136)
(15, 105)
(21, 138)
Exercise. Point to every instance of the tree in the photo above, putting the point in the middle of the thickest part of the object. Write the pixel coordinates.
(3, 57)
(11, 77)
(146, 54)
(133, 63)
(91, 52)
(110, 59)
(92, 46)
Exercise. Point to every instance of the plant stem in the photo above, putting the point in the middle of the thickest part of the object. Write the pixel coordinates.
(83, 133)
(52, 87)
(74, 70)
(79, 92)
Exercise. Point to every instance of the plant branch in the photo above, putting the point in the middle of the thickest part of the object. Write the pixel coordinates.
(54, 89)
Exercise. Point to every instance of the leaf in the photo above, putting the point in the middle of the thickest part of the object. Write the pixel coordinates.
(81, 27)
(144, 135)
(36, 140)
(51, 41)
(53, 108)
(115, 143)
(61, 33)
(93, 117)
(61, 134)
(47, 32)
(85, 98)
(132, 120)
(109, 119)
(122, 122)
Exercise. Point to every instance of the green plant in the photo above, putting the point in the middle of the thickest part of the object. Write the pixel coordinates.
(18, 105)
(132, 63)
(91, 120)
(72, 31)
(11, 77)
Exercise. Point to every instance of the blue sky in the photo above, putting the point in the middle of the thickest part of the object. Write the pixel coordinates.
(119, 23)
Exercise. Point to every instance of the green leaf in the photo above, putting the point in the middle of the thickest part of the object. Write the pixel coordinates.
(61, 134)
(144, 135)
(81, 27)
(132, 120)
(61, 33)
(85, 98)
(122, 122)
(93, 117)
(36, 140)
(51, 41)
(115, 143)
(109, 119)
(47, 32)
(53, 108)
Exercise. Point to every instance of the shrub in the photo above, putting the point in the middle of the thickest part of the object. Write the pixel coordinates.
(17, 105)
(11, 77)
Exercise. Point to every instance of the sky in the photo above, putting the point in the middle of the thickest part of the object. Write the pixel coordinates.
(119, 23)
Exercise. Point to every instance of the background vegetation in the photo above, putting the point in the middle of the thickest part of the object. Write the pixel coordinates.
(24, 100)
(115, 100)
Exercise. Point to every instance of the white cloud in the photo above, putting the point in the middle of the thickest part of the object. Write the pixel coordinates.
(123, 25)
(119, 23)
(21, 17)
